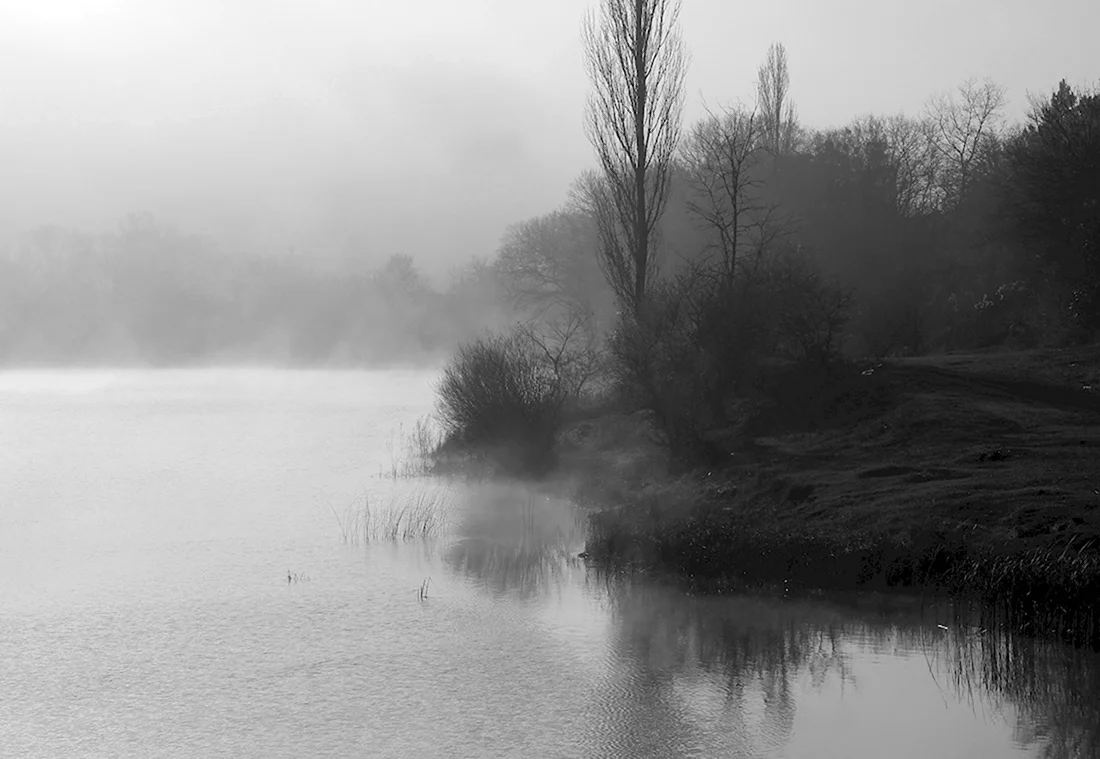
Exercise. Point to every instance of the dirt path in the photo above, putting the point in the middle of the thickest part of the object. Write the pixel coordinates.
(1083, 398)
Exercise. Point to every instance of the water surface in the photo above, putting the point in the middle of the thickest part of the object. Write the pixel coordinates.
(148, 522)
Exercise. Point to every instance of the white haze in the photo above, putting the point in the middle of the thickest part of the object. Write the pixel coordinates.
(366, 128)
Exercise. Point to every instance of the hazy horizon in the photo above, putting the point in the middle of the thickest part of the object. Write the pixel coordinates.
(368, 129)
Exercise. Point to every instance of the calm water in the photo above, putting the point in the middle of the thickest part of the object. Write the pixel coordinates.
(148, 521)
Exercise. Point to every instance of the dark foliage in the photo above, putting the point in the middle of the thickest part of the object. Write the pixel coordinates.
(692, 356)
(1047, 593)
(1052, 190)
(499, 397)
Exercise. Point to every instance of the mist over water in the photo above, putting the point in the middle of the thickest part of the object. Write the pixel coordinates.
(149, 520)
(238, 243)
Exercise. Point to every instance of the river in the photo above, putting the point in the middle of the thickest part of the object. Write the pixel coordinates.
(183, 574)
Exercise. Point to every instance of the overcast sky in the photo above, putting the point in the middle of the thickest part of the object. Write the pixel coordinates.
(426, 126)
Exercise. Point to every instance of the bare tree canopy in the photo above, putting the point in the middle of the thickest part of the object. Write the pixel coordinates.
(636, 60)
(912, 147)
(965, 131)
(547, 263)
(773, 99)
(720, 155)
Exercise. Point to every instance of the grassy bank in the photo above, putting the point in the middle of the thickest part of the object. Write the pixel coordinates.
(974, 474)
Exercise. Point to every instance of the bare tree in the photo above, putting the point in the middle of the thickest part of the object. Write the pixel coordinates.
(773, 96)
(964, 131)
(636, 61)
(547, 264)
(566, 346)
(912, 148)
(720, 154)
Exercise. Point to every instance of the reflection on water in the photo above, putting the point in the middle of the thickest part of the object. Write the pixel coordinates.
(144, 549)
(1055, 688)
(697, 675)
(514, 540)
(737, 663)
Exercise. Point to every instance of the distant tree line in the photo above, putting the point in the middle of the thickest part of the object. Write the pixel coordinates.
(149, 293)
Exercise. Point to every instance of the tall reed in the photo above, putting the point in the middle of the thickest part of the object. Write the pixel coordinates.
(418, 450)
(421, 514)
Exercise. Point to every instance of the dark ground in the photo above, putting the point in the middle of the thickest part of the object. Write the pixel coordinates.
(990, 452)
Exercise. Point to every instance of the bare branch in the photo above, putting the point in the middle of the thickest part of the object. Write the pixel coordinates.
(567, 348)
(636, 62)
(547, 263)
(776, 110)
(721, 155)
(964, 131)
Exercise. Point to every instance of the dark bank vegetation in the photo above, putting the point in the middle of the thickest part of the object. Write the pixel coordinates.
(857, 356)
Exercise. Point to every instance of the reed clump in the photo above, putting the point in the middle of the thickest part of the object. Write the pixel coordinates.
(1048, 592)
(419, 450)
(421, 514)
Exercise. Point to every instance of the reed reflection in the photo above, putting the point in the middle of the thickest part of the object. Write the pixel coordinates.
(513, 540)
(1054, 688)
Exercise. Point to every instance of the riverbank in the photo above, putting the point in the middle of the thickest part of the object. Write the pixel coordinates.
(976, 474)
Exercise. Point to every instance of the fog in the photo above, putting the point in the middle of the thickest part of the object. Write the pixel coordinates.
(341, 129)
(337, 134)
(712, 346)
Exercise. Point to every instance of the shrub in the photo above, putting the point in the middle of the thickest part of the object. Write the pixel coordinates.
(810, 311)
(499, 397)
(693, 355)
(567, 349)
(895, 320)
(1002, 317)
(659, 365)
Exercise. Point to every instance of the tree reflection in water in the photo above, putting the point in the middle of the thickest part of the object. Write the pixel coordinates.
(722, 675)
(1054, 688)
(727, 668)
(760, 651)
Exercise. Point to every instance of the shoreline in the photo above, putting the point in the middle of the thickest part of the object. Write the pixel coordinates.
(973, 475)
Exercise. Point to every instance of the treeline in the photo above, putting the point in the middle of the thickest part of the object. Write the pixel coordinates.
(149, 293)
(950, 229)
(947, 230)
(953, 229)
(750, 267)
(726, 259)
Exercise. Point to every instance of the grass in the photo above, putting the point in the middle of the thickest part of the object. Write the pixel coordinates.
(971, 474)
(419, 450)
(421, 514)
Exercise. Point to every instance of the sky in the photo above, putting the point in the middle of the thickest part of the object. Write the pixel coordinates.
(358, 128)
